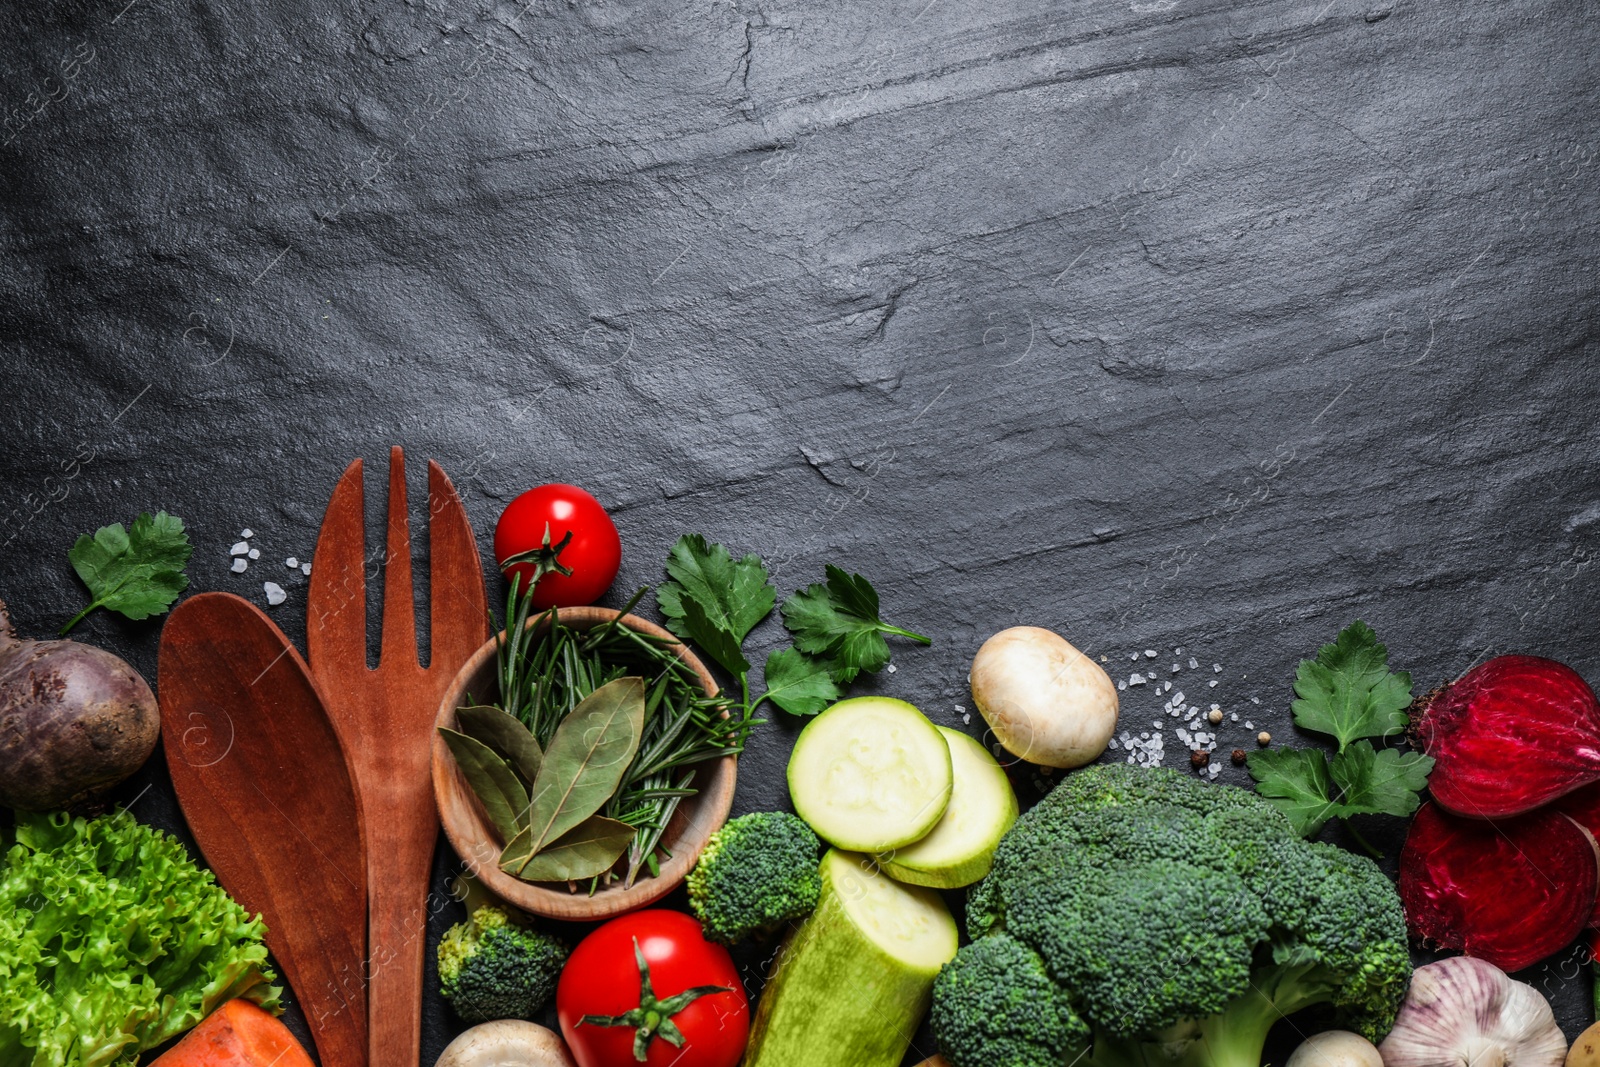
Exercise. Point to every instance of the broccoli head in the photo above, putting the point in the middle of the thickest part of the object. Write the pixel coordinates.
(996, 1004)
(756, 873)
(1178, 920)
(491, 968)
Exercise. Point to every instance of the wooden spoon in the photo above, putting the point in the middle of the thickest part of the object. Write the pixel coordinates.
(270, 799)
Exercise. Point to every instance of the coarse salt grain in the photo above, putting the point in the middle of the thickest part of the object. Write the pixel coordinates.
(305, 568)
(239, 549)
(892, 668)
(240, 564)
(292, 563)
(275, 593)
(1212, 684)
(1193, 663)
(1216, 668)
(1249, 725)
(247, 533)
(254, 553)
(1136, 678)
(1122, 685)
(1149, 653)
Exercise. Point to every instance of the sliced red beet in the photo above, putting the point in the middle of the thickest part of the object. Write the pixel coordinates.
(1509, 736)
(1583, 806)
(1511, 892)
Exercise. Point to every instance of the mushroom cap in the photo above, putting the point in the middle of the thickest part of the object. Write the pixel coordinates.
(1464, 1012)
(1045, 700)
(506, 1043)
(1335, 1048)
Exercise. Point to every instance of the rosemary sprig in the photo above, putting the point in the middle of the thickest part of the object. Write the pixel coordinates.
(546, 668)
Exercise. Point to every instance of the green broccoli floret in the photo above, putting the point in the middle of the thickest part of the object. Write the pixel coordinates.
(756, 873)
(491, 968)
(1177, 920)
(996, 1004)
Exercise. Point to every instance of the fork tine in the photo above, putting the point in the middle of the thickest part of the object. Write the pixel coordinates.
(459, 614)
(336, 606)
(399, 605)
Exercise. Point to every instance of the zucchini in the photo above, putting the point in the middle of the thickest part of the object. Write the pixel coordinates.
(852, 982)
(870, 774)
(960, 849)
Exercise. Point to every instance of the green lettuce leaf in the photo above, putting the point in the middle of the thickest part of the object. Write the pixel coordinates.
(112, 941)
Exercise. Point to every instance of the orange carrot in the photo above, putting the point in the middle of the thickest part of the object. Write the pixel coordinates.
(238, 1034)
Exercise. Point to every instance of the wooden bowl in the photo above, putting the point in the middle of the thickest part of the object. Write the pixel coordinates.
(479, 846)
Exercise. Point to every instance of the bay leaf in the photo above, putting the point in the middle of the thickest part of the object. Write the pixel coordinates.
(492, 781)
(590, 848)
(517, 853)
(505, 734)
(586, 759)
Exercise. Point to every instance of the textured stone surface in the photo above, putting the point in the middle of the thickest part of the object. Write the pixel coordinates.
(1183, 323)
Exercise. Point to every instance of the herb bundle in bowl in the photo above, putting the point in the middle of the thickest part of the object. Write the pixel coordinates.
(589, 747)
(593, 728)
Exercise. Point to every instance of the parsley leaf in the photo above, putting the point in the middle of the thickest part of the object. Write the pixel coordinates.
(732, 596)
(1349, 693)
(137, 572)
(1296, 781)
(696, 625)
(840, 620)
(1380, 781)
(798, 683)
(1348, 690)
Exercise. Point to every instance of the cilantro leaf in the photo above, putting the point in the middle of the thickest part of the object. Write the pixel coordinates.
(840, 619)
(137, 572)
(1348, 690)
(1296, 781)
(798, 683)
(732, 595)
(1380, 781)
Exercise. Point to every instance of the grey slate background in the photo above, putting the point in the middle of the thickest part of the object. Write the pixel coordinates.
(1171, 323)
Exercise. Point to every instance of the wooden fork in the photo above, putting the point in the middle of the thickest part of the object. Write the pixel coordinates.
(384, 717)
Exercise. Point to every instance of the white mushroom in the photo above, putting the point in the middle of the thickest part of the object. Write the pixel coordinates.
(1045, 701)
(1336, 1048)
(1463, 1012)
(506, 1043)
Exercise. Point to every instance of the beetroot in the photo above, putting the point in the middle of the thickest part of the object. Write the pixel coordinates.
(1509, 736)
(1583, 807)
(74, 721)
(1510, 892)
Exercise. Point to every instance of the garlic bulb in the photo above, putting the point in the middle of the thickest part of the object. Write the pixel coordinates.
(1463, 1012)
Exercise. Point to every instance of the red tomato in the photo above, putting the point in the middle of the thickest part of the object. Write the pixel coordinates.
(603, 979)
(592, 556)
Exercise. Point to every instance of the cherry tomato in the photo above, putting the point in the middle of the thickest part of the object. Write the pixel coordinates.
(604, 983)
(534, 527)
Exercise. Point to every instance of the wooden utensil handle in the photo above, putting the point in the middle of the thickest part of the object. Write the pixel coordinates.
(398, 911)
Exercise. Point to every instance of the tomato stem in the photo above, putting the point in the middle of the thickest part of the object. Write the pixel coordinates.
(653, 1017)
(546, 559)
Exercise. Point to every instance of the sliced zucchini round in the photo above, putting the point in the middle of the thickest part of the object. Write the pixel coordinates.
(870, 774)
(960, 850)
